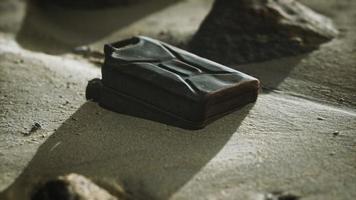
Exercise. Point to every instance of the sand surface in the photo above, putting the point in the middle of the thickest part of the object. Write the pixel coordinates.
(298, 138)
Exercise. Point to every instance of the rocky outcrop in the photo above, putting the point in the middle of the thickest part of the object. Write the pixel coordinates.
(241, 31)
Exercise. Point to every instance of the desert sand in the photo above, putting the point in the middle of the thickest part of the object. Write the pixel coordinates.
(298, 138)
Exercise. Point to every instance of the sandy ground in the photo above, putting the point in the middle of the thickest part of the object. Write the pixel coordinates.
(298, 138)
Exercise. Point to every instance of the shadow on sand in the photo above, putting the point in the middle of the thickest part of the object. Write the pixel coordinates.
(57, 30)
(150, 159)
(272, 73)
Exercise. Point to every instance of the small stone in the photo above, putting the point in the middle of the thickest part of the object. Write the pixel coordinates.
(320, 118)
(36, 126)
(279, 195)
(82, 49)
(88, 52)
(72, 186)
(19, 61)
(336, 133)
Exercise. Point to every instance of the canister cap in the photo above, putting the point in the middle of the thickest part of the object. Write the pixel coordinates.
(93, 90)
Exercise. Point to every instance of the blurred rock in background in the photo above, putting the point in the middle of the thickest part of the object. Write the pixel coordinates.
(246, 31)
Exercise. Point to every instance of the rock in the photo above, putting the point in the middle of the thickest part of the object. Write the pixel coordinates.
(245, 31)
(95, 57)
(336, 133)
(71, 187)
(281, 196)
(36, 126)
